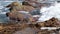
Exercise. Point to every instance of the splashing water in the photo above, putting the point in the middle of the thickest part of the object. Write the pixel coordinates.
(49, 12)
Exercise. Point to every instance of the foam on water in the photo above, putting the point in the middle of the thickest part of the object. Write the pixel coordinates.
(1, 7)
(3, 13)
(48, 13)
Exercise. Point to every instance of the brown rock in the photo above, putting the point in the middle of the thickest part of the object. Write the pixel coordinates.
(18, 7)
(20, 17)
(53, 22)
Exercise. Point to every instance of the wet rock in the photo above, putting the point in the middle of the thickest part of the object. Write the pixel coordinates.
(16, 6)
(53, 22)
(20, 17)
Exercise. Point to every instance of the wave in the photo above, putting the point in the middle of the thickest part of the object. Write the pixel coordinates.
(3, 12)
(1, 7)
(52, 11)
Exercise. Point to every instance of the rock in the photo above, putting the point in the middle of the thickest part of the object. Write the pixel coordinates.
(18, 7)
(20, 17)
(1, 27)
(25, 31)
(53, 22)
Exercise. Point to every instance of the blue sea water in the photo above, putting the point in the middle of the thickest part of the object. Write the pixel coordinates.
(3, 17)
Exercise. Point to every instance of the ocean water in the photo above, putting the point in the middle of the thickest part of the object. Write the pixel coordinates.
(3, 17)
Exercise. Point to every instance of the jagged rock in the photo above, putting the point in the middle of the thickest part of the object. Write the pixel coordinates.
(18, 7)
(20, 17)
(26, 31)
(47, 32)
(15, 15)
(20, 28)
(53, 22)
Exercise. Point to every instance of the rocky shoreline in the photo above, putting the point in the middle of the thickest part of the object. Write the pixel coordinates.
(13, 28)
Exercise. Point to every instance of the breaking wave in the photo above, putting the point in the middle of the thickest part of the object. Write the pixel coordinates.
(49, 12)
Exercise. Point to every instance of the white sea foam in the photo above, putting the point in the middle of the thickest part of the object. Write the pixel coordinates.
(48, 13)
(1, 7)
(2, 12)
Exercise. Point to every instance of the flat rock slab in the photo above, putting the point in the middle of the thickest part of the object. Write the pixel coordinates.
(26, 31)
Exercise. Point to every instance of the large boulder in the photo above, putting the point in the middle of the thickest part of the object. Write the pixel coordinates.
(19, 16)
(18, 7)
